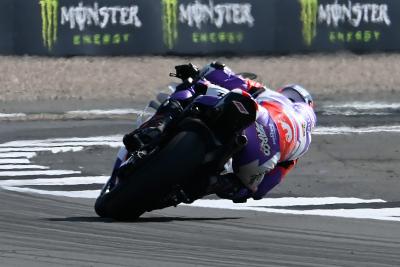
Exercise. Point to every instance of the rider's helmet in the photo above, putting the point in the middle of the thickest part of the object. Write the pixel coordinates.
(297, 94)
(303, 105)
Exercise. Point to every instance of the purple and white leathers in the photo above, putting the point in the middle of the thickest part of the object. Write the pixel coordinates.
(279, 136)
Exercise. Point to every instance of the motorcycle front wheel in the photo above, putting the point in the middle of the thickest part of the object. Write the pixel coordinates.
(178, 161)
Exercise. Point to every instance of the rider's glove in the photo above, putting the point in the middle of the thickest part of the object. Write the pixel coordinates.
(153, 128)
(140, 137)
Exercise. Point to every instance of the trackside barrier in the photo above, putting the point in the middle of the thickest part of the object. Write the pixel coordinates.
(236, 27)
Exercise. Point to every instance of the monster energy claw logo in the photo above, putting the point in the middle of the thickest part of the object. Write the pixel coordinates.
(308, 16)
(170, 22)
(49, 14)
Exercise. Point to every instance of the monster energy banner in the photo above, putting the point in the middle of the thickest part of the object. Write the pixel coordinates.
(89, 27)
(129, 27)
(355, 25)
(207, 26)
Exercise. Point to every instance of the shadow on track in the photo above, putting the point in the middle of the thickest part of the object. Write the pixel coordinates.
(139, 220)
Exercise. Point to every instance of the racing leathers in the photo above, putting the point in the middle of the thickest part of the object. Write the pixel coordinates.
(279, 136)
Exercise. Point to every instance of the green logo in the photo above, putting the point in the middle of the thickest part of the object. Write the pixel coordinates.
(49, 14)
(170, 22)
(308, 16)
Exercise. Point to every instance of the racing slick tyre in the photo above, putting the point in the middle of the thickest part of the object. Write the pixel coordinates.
(150, 182)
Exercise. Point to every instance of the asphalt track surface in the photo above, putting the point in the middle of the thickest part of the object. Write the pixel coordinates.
(44, 230)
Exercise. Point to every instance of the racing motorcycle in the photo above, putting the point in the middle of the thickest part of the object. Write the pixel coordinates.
(177, 166)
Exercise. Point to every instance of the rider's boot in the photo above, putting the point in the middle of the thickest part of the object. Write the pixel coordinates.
(228, 186)
(174, 198)
(153, 128)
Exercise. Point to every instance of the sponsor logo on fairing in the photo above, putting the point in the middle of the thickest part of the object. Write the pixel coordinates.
(214, 90)
(240, 107)
(303, 128)
(272, 133)
(288, 130)
(265, 147)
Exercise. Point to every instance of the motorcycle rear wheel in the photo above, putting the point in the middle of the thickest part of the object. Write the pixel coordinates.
(132, 196)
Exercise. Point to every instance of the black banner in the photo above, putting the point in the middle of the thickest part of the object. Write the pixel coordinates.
(360, 26)
(203, 27)
(6, 27)
(199, 27)
(87, 27)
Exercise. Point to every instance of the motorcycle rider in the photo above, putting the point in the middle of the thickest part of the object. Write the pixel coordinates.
(280, 135)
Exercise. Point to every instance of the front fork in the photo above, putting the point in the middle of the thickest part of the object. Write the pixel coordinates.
(112, 181)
